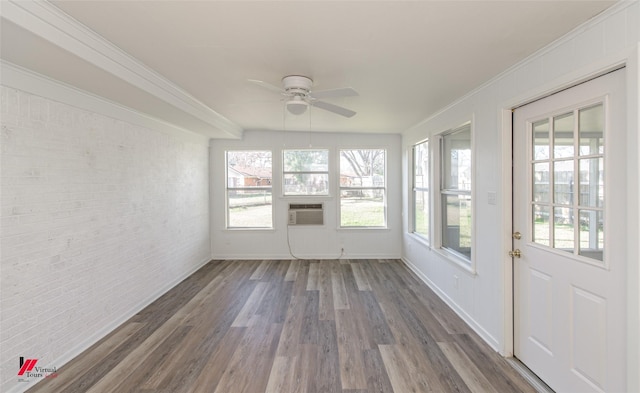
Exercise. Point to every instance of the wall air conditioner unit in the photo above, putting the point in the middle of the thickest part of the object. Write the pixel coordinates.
(306, 214)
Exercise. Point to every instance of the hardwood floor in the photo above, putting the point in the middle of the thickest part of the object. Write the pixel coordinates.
(325, 326)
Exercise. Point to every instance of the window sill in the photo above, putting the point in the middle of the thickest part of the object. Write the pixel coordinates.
(349, 229)
(420, 239)
(458, 261)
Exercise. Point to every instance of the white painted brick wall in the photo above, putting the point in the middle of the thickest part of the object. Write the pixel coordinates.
(97, 218)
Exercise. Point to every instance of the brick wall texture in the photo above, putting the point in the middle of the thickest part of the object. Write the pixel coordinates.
(97, 216)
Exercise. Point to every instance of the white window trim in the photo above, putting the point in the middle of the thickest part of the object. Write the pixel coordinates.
(455, 258)
(227, 188)
(339, 189)
(428, 238)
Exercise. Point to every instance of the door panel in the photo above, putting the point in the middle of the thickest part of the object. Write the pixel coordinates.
(569, 283)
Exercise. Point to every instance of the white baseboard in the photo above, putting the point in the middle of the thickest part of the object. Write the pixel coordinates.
(100, 334)
(473, 324)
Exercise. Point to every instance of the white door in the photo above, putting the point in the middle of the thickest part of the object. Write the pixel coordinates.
(569, 208)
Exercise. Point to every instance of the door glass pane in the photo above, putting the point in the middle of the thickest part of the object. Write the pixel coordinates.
(591, 130)
(592, 182)
(456, 232)
(541, 228)
(541, 140)
(592, 234)
(563, 229)
(563, 182)
(563, 136)
(541, 181)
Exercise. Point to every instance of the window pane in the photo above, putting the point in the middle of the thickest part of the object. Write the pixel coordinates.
(541, 181)
(591, 130)
(591, 234)
(248, 169)
(249, 209)
(306, 184)
(421, 165)
(457, 160)
(362, 168)
(421, 213)
(563, 182)
(541, 140)
(592, 182)
(456, 228)
(563, 136)
(563, 227)
(541, 228)
(306, 160)
(362, 208)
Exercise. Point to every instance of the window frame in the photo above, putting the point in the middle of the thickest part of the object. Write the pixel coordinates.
(467, 262)
(363, 188)
(426, 187)
(285, 173)
(246, 188)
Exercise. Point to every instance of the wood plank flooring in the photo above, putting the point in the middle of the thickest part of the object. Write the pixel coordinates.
(347, 326)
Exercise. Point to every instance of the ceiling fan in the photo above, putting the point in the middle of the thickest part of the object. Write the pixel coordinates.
(297, 90)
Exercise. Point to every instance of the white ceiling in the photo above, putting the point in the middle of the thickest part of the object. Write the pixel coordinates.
(407, 59)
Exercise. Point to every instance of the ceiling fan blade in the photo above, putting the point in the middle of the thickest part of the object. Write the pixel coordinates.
(267, 86)
(333, 108)
(331, 93)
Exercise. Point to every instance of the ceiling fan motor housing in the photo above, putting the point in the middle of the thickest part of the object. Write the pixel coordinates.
(297, 85)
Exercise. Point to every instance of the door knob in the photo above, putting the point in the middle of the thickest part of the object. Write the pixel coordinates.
(515, 253)
(517, 235)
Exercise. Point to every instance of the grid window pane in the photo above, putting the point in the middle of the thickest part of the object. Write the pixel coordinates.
(592, 234)
(563, 136)
(563, 178)
(541, 140)
(541, 227)
(591, 123)
(541, 181)
(592, 182)
(563, 229)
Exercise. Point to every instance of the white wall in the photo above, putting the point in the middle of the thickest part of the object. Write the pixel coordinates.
(482, 299)
(99, 217)
(322, 242)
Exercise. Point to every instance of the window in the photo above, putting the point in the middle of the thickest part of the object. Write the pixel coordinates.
(306, 172)
(249, 189)
(421, 190)
(455, 191)
(362, 188)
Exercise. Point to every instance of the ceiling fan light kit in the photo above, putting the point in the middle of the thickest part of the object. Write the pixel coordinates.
(300, 96)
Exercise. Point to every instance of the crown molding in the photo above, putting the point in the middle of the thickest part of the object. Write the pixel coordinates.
(53, 25)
